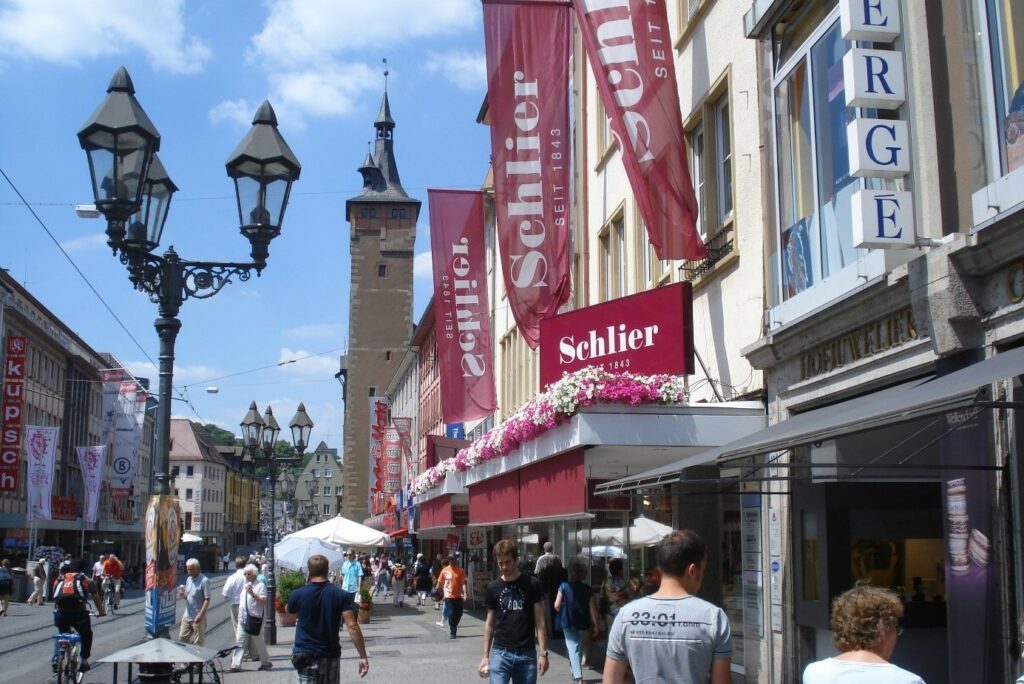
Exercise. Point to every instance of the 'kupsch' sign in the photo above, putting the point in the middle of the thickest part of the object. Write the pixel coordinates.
(646, 333)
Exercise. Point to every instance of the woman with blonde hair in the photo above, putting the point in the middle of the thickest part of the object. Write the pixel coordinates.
(865, 625)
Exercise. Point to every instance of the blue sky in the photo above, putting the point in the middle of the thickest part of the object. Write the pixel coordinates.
(200, 70)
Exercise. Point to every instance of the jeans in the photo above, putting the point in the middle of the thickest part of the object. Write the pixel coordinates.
(453, 607)
(574, 645)
(518, 667)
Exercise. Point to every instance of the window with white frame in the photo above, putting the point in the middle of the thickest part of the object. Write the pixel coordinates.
(327, 472)
(327, 509)
(813, 184)
(992, 32)
(709, 133)
(612, 241)
(327, 491)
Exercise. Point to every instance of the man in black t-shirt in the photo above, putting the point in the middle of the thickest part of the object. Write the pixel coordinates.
(320, 607)
(515, 618)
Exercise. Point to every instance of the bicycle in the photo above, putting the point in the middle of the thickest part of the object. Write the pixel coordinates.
(69, 658)
(211, 667)
(109, 601)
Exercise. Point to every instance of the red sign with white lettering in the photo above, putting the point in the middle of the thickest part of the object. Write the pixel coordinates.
(11, 412)
(646, 333)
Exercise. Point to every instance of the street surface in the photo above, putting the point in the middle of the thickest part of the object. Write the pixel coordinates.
(403, 643)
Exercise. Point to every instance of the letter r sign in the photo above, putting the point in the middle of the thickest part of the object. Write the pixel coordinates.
(883, 218)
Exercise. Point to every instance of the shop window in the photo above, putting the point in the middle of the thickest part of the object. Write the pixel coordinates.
(814, 186)
(992, 33)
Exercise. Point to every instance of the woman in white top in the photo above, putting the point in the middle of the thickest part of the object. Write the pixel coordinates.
(865, 625)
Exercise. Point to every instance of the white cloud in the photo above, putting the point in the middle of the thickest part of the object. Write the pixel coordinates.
(326, 89)
(70, 32)
(467, 70)
(299, 362)
(315, 331)
(303, 44)
(84, 243)
(183, 375)
(304, 32)
(423, 267)
(239, 111)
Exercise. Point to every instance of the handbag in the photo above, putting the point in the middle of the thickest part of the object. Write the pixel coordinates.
(251, 624)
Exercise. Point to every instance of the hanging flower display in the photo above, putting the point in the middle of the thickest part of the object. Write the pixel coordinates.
(554, 406)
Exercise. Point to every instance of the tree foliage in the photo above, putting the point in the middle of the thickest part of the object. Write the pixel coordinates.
(218, 435)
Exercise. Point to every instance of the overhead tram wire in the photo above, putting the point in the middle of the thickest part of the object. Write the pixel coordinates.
(269, 365)
(71, 261)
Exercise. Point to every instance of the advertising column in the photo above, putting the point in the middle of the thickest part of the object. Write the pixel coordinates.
(163, 532)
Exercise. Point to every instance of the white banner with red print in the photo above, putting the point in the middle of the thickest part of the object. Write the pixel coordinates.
(41, 449)
(91, 460)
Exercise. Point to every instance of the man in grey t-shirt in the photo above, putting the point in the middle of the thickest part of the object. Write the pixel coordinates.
(671, 635)
(196, 593)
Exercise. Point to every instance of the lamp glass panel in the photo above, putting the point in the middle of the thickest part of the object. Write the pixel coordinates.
(275, 195)
(101, 163)
(248, 191)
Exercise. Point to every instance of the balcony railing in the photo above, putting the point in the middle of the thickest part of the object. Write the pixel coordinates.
(720, 245)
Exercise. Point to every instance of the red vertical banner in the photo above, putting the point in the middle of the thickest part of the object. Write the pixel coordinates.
(527, 45)
(630, 49)
(11, 407)
(464, 354)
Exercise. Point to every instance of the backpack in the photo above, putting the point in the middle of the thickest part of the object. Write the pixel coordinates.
(6, 581)
(575, 613)
(69, 591)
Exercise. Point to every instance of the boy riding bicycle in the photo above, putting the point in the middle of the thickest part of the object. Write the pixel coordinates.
(71, 592)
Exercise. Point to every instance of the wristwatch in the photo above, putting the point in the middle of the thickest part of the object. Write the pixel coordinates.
(543, 654)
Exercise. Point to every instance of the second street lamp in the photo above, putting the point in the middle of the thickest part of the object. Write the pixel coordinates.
(259, 436)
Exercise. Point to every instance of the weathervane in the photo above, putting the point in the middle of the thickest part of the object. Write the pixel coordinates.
(385, 60)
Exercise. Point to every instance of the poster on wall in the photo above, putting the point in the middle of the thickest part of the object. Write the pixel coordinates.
(972, 596)
(163, 533)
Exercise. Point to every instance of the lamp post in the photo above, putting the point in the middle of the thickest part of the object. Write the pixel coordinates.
(259, 435)
(288, 490)
(132, 190)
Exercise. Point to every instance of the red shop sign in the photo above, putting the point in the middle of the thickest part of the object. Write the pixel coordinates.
(646, 333)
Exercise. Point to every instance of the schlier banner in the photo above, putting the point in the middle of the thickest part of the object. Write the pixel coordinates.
(460, 304)
(630, 49)
(527, 45)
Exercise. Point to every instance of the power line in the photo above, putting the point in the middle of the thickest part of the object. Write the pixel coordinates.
(71, 261)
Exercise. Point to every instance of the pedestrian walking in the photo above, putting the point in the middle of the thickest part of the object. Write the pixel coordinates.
(615, 590)
(38, 584)
(515, 624)
(452, 585)
(224, 561)
(383, 578)
(549, 557)
(6, 586)
(398, 584)
(251, 605)
(196, 593)
(97, 568)
(421, 575)
(865, 626)
(232, 591)
(695, 646)
(321, 607)
(576, 616)
(439, 595)
(351, 572)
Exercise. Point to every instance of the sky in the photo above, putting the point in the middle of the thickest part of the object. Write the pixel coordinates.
(200, 70)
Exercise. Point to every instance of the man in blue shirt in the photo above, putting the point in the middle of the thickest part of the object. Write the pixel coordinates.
(351, 572)
(320, 607)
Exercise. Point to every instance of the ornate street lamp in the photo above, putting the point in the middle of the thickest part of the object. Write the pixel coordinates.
(312, 487)
(259, 436)
(132, 190)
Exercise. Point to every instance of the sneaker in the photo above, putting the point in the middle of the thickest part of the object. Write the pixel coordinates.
(84, 665)
(266, 666)
(234, 669)
(451, 636)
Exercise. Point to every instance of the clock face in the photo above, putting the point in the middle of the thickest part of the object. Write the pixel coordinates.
(1015, 282)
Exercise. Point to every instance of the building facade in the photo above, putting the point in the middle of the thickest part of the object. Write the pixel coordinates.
(382, 233)
(319, 487)
(53, 379)
(200, 476)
